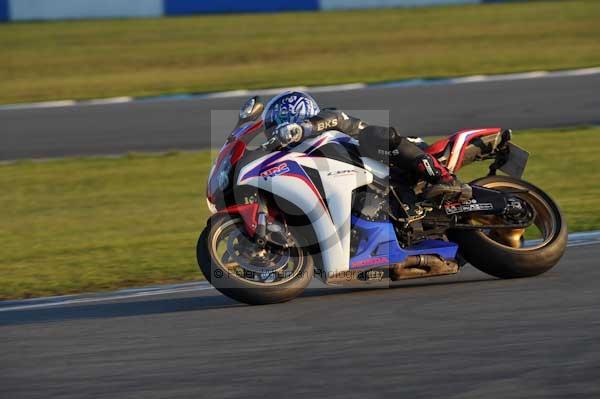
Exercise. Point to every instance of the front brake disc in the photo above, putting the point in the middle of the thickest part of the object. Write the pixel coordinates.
(250, 256)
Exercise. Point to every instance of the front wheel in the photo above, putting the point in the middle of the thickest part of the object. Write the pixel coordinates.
(242, 270)
(515, 253)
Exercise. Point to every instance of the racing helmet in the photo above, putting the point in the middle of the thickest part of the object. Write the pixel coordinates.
(291, 107)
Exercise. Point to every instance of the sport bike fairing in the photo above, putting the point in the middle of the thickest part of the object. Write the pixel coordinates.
(328, 204)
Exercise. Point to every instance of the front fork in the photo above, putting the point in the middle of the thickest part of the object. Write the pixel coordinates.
(261, 223)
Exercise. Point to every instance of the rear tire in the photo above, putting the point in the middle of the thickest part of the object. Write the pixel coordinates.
(238, 288)
(503, 261)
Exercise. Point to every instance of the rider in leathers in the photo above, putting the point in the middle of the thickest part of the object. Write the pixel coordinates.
(398, 150)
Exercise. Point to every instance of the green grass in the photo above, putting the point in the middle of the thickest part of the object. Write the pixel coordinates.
(87, 224)
(43, 61)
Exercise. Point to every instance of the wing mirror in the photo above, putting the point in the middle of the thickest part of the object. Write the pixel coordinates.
(251, 109)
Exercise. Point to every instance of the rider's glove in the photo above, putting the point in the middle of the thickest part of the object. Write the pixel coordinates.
(288, 133)
(284, 135)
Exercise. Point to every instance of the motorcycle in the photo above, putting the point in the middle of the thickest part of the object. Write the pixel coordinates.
(320, 208)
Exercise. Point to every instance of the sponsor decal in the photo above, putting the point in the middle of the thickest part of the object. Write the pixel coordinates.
(380, 260)
(467, 206)
(375, 275)
(371, 275)
(275, 171)
(339, 173)
(386, 152)
(327, 125)
(429, 168)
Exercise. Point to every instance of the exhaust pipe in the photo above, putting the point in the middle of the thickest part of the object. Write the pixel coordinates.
(417, 266)
(422, 266)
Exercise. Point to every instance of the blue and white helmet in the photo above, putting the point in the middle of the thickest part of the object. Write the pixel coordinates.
(290, 106)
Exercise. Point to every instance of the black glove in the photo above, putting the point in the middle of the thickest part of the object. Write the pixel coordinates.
(284, 135)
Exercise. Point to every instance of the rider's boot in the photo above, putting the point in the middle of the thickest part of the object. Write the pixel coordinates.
(442, 184)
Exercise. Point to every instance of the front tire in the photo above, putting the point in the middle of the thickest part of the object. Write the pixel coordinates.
(245, 286)
(502, 258)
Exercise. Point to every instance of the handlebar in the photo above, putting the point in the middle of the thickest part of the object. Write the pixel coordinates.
(271, 144)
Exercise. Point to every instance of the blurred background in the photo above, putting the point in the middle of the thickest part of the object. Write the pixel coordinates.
(105, 110)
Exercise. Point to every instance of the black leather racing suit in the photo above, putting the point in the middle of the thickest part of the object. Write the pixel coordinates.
(378, 142)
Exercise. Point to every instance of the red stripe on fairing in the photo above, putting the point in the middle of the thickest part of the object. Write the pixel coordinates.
(315, 145)
(306, 153)
(461, 157)
(469, 136)
(458, 144)
(437, 147)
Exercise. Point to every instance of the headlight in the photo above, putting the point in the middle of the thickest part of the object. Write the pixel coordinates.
(222, 173)
(223, 179)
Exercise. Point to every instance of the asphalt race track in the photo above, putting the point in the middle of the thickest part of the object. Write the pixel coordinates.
(186, 124)
(464, 336)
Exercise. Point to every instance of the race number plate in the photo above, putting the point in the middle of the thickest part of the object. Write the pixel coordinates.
(517, 160)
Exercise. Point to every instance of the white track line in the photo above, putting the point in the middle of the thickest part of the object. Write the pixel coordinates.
(575, 240)
(117, 295)
(316, 89)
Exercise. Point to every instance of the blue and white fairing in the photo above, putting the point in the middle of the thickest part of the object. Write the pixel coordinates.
(328, 203)
(378, 246)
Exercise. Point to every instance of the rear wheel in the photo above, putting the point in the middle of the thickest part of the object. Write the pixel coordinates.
(514, 253)
(242, 270)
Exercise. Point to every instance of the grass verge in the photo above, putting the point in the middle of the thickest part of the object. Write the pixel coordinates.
(85, 59)
(86, 224)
